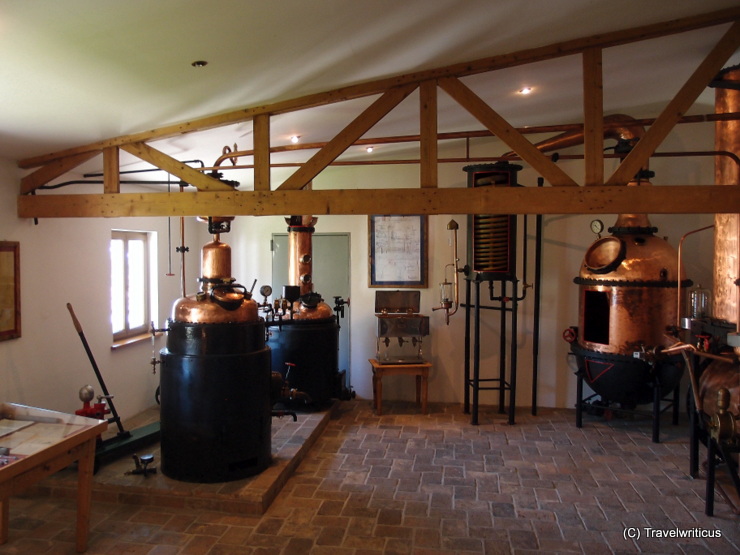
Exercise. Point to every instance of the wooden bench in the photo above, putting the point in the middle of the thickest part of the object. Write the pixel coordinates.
(420, 370)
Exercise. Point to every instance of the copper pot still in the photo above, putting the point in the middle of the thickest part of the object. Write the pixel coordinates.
(215, 409)
(304, 336)
(628, 285)
(220, 299)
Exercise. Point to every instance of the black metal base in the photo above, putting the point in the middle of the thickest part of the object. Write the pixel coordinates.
(719, 454)
(660, 405)
(215, 413)
(474, 383)
(306, 353)
(476, 386)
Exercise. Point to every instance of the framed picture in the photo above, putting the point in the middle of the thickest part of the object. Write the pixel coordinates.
(10, 290)
(397, 251)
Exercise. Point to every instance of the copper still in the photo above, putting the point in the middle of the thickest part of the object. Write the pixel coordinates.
(303, 329)
(725, 304)
(628, 285)
(215, 377)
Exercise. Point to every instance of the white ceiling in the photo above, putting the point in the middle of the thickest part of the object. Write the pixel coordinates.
(80, 71)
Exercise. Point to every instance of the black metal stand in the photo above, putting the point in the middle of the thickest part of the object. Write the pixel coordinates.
(500, 269)
(659, 406)
(718, 453)
(475, 384)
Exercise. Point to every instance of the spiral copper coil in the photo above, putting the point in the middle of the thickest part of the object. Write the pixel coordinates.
(491, 243)
(492, 236)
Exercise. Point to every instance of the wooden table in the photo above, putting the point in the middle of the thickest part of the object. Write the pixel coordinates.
(418, 369)
(38, 442)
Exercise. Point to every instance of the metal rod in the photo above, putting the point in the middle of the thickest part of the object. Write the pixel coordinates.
(537, 300)
(169, 241)
(513, 355)
(476, 355)
(467, 159)
(90, 356)
(145, 170)
(502, 349)
(466, 348)
(467, 135)
(182, 256)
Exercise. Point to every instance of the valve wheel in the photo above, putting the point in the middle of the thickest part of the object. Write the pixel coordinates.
(569, 335)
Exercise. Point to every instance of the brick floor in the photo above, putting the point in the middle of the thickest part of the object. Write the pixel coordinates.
(430, 484)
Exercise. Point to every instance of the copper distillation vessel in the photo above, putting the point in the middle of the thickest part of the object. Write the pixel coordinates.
(215, 377)
(303, 330)
(628, 284)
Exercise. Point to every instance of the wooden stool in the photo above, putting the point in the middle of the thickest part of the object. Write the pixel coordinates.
(420, 370)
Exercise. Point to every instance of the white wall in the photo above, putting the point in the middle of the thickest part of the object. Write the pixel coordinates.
(66, 260)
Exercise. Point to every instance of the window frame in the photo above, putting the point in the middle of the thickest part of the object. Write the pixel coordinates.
(146, 237)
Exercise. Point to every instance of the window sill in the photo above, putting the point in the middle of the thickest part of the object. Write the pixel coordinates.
(133, 340)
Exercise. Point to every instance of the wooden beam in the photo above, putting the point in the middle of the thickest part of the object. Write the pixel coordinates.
(482, 65)
(261, 127)
(428, 147)
(676, 108)
(111, 170)
(593, 117)
(663, 199)
(54, 169)
(504, 131)
(199, 180)
(356, 129)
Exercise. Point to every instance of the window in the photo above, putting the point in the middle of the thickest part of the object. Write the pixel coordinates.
(132, 291)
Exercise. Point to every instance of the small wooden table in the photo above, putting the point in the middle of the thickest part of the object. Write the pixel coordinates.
(39, 442)
(419, 369)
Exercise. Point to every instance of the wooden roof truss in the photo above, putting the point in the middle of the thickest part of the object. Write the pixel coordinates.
(215, 198)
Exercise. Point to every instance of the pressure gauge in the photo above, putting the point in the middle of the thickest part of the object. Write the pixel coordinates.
(597, 226)
(265, 290)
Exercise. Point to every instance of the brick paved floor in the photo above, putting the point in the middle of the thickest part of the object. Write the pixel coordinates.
(411, 483)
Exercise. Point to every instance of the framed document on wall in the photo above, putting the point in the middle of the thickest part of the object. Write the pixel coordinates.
(10, 290)
(397, 251)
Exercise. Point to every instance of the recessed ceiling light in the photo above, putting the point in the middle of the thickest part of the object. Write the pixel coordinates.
(295, 138)
(370, 149)
(525, 90)
(199, 63)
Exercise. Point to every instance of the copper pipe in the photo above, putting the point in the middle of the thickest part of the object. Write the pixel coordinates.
(730, 116)
(617, 126)
(685, 349)
(182, 251)
(680, 347)
(182, 255)
(452, 226)
(464, 160)
(678, 290)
